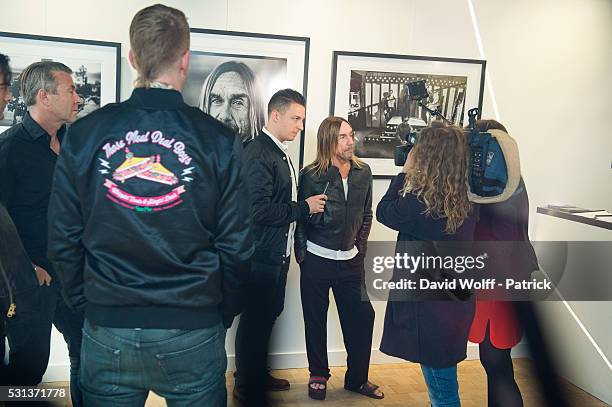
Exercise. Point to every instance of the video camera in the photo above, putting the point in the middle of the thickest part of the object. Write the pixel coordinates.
(415, 91)
(408, 135)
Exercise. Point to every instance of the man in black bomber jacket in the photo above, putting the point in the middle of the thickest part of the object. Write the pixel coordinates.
(149, 232)
(330, 248)
(275, 209)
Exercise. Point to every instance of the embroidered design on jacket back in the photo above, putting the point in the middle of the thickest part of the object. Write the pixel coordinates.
(146, 167)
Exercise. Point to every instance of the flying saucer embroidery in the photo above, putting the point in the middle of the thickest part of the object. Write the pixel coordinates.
(149, 168)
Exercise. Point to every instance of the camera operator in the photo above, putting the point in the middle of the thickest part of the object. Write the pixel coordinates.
(427, 203)
(502, 231)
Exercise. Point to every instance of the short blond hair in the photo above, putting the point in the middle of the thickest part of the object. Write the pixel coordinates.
(159, 35)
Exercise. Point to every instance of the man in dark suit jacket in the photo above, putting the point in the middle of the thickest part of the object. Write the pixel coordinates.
(272, 186)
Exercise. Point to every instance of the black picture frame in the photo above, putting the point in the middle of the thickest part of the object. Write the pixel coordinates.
(264, 55)
(81, 55)
(458, 80)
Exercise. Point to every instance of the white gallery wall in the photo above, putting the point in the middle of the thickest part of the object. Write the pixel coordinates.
(549, 63)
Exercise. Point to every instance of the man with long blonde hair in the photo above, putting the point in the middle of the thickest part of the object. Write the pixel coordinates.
(330, 248)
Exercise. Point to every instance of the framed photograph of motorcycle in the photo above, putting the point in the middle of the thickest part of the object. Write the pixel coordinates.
(95, 65)
(232, 76)
(371, 91)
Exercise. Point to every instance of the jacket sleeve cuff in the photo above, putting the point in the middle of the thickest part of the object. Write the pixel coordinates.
(77, 305)
(303, 210)
(397, 182)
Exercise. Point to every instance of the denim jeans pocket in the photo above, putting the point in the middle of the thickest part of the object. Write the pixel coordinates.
(199, 362)
(100, 366)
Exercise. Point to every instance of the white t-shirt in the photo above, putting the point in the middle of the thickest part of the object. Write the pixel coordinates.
(329, 253)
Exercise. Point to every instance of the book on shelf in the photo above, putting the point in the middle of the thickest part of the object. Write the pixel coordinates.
(572, 209)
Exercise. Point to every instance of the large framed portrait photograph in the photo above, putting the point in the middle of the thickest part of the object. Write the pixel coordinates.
(96, 67)
(232, 76)
(372, 92)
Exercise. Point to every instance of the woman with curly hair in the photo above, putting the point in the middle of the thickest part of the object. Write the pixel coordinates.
(427, 203)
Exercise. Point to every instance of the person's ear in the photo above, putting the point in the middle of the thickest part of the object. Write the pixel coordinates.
(184, 63)
(42, 99)
(132, 60)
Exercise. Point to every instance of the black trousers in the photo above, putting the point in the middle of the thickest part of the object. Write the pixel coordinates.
(29, 336)
(502, 389)
(265, 302)
(345, 278)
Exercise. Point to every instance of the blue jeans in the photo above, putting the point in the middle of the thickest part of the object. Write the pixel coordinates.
(120, 365)
(442, 386)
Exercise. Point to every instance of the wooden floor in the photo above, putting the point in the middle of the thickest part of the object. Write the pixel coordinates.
(404, 386)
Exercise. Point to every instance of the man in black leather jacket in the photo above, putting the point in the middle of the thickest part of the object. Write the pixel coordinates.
(272, 186)
(330, 248)
(149, 233)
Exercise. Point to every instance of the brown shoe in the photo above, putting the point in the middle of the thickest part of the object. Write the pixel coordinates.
(238, 397)
(275, 384)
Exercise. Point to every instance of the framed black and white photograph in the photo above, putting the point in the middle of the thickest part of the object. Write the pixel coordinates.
(381, 94)
(96, 67)
(232, 76)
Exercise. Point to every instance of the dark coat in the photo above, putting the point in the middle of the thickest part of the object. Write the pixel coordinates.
(502, 232)
(272, 209)
(507, 222)
(16, 270)
(433, 333)
(346, 222)
(169, 250)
